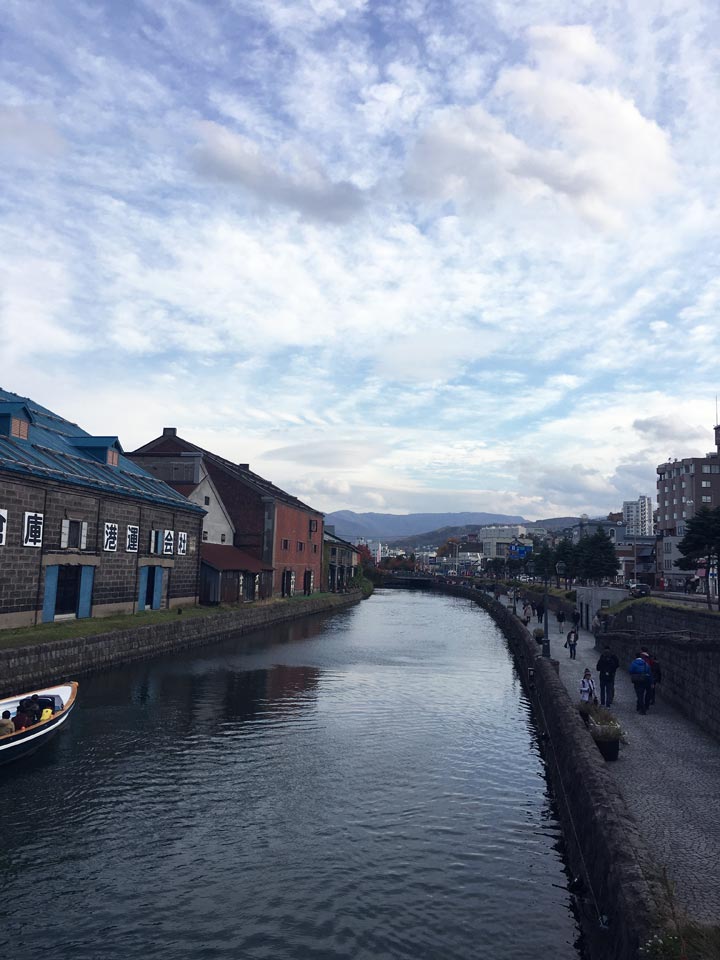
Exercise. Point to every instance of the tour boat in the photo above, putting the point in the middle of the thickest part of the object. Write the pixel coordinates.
(59, 700)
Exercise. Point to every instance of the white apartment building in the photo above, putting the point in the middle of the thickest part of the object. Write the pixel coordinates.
(638, 517)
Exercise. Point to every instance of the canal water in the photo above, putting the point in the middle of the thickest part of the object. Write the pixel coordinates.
(363, 785)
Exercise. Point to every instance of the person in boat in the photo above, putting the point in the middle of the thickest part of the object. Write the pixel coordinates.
(34, 708)
(22, 719)
(6, 724)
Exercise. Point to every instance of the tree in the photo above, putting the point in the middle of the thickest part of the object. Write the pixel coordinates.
(544, 562)
(364, 556)
(701, 543)
(565, 553)
(595, 557)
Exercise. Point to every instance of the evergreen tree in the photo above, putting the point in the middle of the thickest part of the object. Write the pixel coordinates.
(565, 553)
(701, 543)
(595, 557)
(545, 562)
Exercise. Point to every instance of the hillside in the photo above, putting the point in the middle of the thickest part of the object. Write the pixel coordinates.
(384, 526)
(421, 529)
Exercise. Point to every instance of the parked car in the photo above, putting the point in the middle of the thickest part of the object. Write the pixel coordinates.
(640, 590)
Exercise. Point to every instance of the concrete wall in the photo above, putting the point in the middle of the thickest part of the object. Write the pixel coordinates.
(602, 839)
(26, 668)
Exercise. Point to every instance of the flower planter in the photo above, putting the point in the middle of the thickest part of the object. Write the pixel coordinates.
(609, 748)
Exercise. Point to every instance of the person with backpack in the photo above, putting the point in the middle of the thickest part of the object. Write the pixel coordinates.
(655, 675)
(606, 667)
(641, 677)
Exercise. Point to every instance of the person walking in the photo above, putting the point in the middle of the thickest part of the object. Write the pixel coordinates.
(576, 618)
(571, 642)
(587, 688)
(655, 675)
(587, 696)
(607, 667)
(560, 616)
(641, 676)
(540, 612)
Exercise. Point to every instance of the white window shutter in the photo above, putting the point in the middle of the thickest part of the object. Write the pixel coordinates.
(65, 534)
(83, 535)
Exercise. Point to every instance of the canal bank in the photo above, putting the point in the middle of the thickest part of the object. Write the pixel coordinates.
(29, 666)
(621, 893)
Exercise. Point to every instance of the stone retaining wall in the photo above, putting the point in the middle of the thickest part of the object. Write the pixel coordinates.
(686, 643)
(25, 668)
(602, 838)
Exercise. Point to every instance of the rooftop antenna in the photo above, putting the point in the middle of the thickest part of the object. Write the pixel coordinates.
(716, 414)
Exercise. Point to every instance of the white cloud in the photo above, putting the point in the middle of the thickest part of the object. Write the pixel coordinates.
(448, 269)
(25, 133)
(236, 159)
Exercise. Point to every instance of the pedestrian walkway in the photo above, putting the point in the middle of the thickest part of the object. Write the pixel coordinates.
(668, 773)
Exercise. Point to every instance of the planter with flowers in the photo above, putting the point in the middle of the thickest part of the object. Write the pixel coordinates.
(606, 731)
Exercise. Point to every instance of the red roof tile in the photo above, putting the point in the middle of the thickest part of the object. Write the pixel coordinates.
(221, 556)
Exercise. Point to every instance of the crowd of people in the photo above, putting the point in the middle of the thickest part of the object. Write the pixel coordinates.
(30, 710)
(645, 671)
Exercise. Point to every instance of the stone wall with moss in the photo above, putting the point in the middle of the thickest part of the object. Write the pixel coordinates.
(29, 667)
(686, 643)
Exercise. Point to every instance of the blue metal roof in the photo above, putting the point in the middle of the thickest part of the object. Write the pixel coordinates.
(59, 450)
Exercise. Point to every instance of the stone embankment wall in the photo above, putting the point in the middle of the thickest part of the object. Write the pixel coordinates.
(686, 643)
(25, 668)
(603, 843)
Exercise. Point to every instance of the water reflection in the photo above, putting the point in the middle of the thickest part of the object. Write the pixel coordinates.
(360, 785)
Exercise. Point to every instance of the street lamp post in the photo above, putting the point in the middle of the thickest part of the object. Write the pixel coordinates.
(559, 570)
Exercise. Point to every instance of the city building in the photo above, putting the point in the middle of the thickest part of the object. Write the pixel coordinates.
(684, 487)
(638, 516)
(272, 542)
(84, 531)
(342, 560)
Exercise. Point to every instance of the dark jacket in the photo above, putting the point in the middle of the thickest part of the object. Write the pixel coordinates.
(607, 665)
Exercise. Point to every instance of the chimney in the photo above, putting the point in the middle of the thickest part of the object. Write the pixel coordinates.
(169, 431)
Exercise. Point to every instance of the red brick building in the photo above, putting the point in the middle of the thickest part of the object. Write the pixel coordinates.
(279, 536)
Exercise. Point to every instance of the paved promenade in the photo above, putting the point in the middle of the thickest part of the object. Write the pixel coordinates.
(669, 774)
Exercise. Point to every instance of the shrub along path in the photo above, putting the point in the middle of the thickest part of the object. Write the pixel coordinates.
(668, 772)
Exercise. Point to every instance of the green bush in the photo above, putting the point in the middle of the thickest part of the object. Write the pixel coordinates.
(571, 595)
(367, 587)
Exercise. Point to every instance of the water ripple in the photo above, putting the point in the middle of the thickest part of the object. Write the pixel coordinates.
(367, 786)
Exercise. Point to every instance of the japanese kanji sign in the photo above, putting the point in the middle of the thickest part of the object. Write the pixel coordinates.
(182, 543)
(110, 539)
(168, 542)
(33, 529)
(132, 540)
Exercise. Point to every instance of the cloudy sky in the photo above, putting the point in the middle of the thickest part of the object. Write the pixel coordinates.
(402, 256)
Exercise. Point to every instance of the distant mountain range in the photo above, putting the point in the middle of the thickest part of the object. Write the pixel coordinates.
(414, 529)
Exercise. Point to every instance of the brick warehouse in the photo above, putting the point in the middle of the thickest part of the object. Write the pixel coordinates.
(84, 531)
(276, 539)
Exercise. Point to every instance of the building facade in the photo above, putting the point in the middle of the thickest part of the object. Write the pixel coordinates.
(684, 487)
(84, 531)
(638, 517)
(341, 561)
(280, 536)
